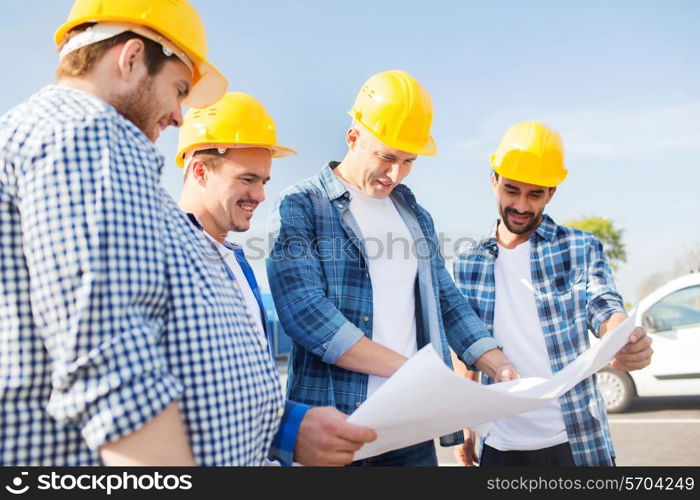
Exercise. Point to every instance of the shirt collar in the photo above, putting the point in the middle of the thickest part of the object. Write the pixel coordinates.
(198, 224)
(547, 230)
(333, 186)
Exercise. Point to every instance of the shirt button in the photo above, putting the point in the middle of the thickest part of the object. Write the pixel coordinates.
(346, 195)
(357, 405)
(366, 318)
(280, 413)
(340, 205)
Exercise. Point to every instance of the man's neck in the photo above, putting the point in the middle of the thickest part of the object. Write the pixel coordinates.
(510, 240)
(343, 171)
(86, 85)
(208, 224)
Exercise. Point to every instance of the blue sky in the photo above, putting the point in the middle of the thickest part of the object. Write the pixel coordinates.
(619, 80)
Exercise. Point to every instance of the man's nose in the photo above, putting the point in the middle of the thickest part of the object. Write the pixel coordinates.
(258, 193)
(520, 204)
(176, 118)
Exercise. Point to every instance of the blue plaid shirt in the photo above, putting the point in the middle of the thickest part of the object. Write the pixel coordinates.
(574, 292)
(319, 279)
(106, 314)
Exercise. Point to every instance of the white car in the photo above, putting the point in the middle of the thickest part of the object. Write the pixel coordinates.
(671, 316)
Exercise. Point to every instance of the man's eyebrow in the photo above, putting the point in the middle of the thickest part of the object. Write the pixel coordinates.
(386, 155)
(254, 176)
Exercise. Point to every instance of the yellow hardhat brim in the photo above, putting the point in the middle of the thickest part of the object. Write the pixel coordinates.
(278, 151)
(282, 151)
(209, 88)
(428, 149)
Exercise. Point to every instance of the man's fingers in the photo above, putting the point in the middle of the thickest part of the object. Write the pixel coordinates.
(506, 373)
(639, 345)
(637, 334)
(354, 433)
(459, 455)
(630, 362)
(634, 357)
(340, 428)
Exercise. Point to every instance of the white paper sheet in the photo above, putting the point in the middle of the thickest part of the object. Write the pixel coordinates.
(425, 399)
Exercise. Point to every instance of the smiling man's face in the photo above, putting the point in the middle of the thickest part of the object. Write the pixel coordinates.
(520, 205)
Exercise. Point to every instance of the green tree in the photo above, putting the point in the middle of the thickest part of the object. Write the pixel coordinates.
(607, 233)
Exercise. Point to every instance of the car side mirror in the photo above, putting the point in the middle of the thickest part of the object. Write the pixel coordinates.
(649, 323)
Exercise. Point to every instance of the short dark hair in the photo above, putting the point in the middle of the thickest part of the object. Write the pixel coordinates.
(210, 157)
(81, 61)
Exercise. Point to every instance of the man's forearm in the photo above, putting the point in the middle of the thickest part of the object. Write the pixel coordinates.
(369, 357)
(161, 441)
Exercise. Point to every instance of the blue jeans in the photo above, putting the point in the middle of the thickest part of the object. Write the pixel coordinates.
(417, 455)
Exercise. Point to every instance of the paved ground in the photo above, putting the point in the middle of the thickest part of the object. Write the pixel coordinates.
(654, 431)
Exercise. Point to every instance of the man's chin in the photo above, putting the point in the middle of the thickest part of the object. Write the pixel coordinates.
(521, 228)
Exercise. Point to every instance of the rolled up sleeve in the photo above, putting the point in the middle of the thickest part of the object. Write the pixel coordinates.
(297, 284)
(602, 298)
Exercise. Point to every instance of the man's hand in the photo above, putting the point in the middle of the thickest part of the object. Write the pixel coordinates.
(497, 366)
(636, 354)
(325, 438)
(466, 453)
(506, 372)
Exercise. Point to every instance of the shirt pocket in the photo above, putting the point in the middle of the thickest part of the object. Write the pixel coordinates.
(565, 282)
(566, 292)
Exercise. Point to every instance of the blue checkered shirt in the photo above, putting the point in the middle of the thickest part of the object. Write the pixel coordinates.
(108, 309)
(319, 279)
(575, 292)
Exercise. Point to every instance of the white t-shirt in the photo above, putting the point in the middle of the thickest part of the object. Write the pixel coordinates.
(252, 306)
(393, 267)
(516, 326)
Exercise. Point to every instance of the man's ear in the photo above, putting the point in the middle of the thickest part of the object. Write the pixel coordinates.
(198, 171)
(552, 190)
(494, 184)
(352, 137)
(131, 59)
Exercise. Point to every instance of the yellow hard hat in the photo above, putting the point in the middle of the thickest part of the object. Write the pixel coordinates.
(531, 152)
(238, 119)
(176, 21)
(398, 111)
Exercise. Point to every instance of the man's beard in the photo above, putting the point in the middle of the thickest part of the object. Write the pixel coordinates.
(139, 107)
(534, 221)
